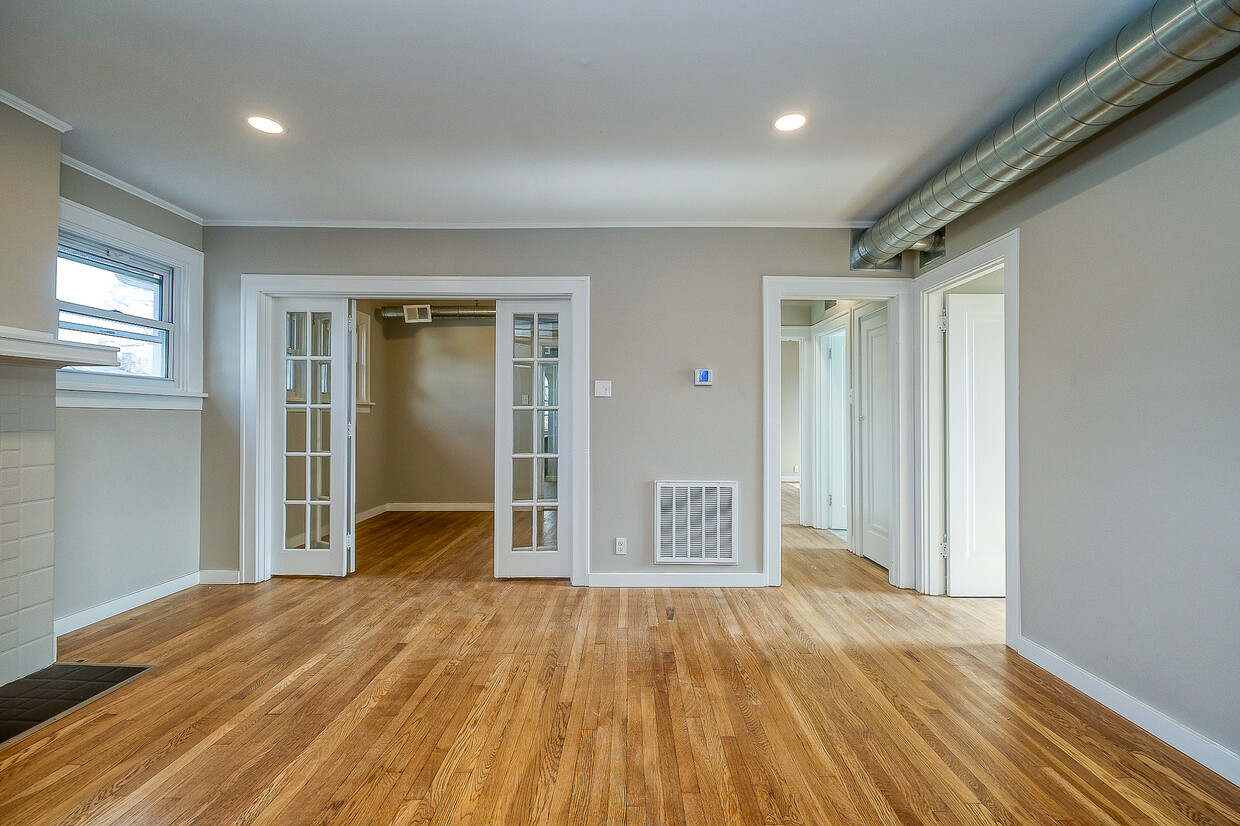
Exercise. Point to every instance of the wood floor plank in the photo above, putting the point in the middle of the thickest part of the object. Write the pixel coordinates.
(421, 690)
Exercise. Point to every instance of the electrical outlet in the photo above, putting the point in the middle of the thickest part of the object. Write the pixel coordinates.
(622, 545)
(796, 468)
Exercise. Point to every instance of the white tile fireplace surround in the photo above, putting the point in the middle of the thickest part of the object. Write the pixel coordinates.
(28, 363)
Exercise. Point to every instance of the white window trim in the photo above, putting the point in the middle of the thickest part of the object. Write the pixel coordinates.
(361, 344)
(184, 390)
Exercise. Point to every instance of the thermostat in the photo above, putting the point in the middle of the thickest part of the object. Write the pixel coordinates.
(703, 375)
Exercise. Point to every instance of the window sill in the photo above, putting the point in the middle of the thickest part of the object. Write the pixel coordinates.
(125, 399)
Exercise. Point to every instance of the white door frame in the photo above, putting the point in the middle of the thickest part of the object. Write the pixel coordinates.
(929, 288)
(258, 293)
(899, 293)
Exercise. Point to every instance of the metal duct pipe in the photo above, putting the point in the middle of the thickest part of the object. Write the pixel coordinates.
(456, 311)
(1172, 41)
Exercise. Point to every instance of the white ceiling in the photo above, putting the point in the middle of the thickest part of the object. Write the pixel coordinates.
(526, 112)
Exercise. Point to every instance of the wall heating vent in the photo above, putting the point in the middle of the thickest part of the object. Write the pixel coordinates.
(695, 522)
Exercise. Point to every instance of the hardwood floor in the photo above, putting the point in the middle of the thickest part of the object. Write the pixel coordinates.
(421, 690)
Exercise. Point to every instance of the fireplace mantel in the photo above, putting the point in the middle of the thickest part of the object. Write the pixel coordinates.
(38, 349)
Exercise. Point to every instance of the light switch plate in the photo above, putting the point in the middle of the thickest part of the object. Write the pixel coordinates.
(703, 376)
(602, 389)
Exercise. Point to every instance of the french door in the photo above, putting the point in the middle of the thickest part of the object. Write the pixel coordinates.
(533, 424)
(311, 438)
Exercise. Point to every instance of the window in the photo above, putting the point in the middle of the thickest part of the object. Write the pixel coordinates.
(110, 297)
(121, 286)
(361, 346)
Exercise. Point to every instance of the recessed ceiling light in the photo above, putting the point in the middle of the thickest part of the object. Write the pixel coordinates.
(267, 125)
(790, 122)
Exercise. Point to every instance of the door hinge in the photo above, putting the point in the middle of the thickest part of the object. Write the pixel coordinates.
(830, 500)
(943, 548)
(943, 322)
(349, 430)
(830, 351)
(348, 541)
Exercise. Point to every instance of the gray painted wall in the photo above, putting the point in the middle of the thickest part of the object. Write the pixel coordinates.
(1129, 399)
(439, 386)
(91, 192)
(663, 301)
(790, 408)
(430, 436)
(29, 220)
(127, 491)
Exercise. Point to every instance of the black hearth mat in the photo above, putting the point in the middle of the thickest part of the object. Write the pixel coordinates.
(34, 701)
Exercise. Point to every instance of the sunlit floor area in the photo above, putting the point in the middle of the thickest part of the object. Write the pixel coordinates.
(422, 690)
(795, 535)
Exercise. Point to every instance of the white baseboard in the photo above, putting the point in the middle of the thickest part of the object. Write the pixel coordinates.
(1205, 751)
(441, 506)
(119, 606)
(219, 577)
(677, 579)
(796, 478)
(370, 513)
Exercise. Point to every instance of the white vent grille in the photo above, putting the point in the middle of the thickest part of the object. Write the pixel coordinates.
(417, 313)
(695, 522)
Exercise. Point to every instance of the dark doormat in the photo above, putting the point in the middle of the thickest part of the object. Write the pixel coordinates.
(32, 702)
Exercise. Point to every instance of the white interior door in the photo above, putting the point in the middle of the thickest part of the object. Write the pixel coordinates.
(976, 521)
(875, 400)
(838, 426)
(311, 408)
(831, 425)
(533, 421)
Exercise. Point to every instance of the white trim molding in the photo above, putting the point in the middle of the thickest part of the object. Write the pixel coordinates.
(739, 223)
(928, 289)
(34, 112)
(677, 579)
(898, 292)
(155, 200)
(37, 348)
(219, 577)
(187, 267)
(440, 506)
(108, 400)
(1212, 755)
(120, 605)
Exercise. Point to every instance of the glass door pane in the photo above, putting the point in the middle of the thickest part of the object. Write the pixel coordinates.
(530, 431)
(309, 453)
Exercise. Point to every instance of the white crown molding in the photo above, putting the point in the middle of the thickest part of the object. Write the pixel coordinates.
(74, 163)
(736, 224)
(34, 112)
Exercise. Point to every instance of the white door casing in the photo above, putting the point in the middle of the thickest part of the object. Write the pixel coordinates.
(533, 421)
(975, 446)
(309, 426)
(874, 411)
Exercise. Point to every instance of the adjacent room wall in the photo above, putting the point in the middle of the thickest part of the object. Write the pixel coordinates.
(439, 383)
(663, 301)
(429, 439)
(1129, 399)
(790, 409)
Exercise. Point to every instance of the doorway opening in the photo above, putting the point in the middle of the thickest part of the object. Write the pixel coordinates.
(424, 435)
(967, 437)
(542, 327)
(838, 407)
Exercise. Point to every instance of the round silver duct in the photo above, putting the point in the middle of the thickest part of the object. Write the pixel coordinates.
(1172, 41)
